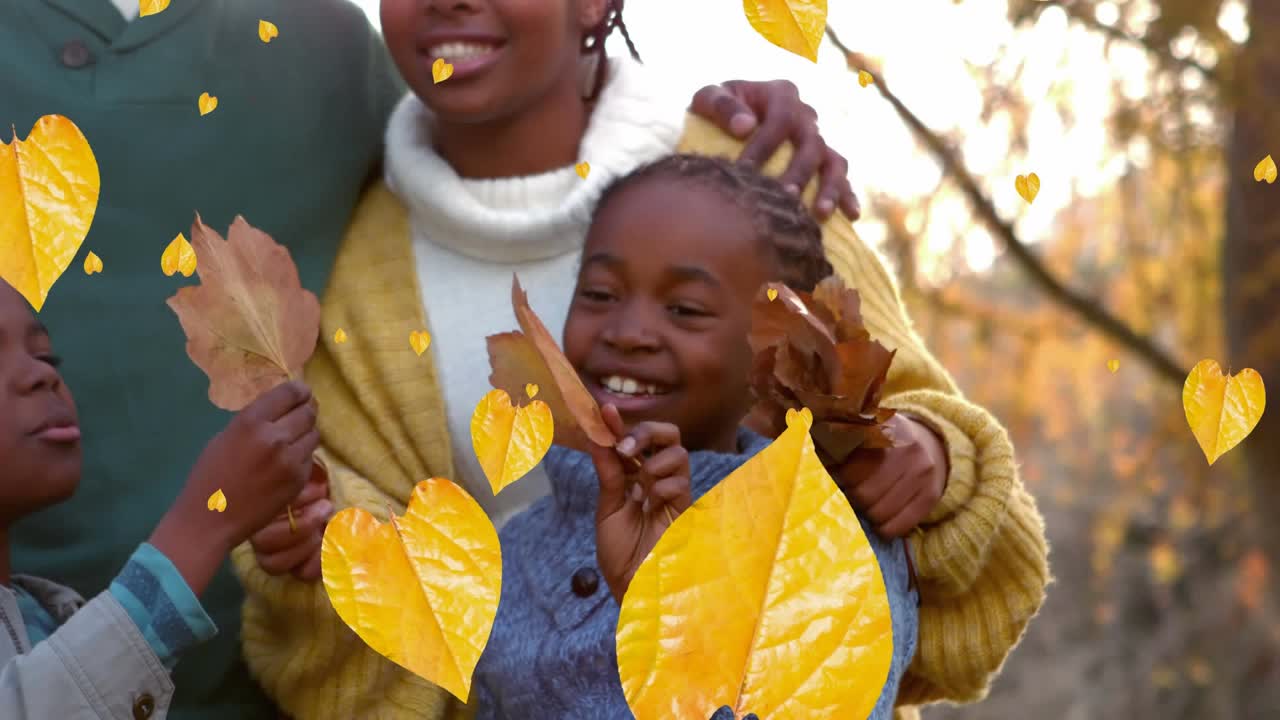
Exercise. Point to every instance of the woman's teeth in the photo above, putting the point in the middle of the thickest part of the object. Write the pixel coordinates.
(461, 50)
(629, 386)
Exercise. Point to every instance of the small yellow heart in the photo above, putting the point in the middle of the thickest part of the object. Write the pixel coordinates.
(1113, 365)
(151, 7)
(583, 168)
(509, 441)
(267, 31)
(92, 263)
(179, 256)
(441, 70)
(803, 416)
(1222, 410)
(1265, 170)
(340, 336)
(865, 78)
(1028, 186)
(218, 501)
(208, 103)
(531, 390)
(772, 293)
(419, 340)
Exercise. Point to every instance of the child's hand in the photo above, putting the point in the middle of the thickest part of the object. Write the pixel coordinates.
(898, 487)
(260, 462)
(280, 549)
(644, 485)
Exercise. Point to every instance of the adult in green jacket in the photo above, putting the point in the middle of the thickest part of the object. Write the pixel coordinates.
(296, 133)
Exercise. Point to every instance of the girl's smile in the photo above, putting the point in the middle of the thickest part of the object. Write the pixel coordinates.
(470, 53)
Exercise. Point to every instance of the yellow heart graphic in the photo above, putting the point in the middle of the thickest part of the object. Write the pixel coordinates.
(48, 196)
(179, 256)
(218, 501)
(421, 589)
(1265, 170)
(1028, 186)
(531, 390)
(865, 78)
(772, 293)
(1222, 410)
(92, 263)
(509, 441)
(267, 31)
(207, 104)
(151, 7)
(419, 341)
(441, 70)
(1113, 365)
(340, 336)
(583, 168)
(802, 416)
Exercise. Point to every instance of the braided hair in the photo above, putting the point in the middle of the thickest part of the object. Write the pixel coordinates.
(781, 220)
(593, 42)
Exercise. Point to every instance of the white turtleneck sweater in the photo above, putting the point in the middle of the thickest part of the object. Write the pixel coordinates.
(469, 236)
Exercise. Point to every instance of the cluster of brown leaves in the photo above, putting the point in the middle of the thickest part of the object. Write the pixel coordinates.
(812, 350)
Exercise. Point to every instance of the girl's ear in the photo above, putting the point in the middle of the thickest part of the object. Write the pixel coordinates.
(591, 13)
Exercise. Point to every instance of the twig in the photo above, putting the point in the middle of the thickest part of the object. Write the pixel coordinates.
(1093, 313)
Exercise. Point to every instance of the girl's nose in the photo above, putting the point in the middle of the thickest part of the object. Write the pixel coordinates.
(35, 374)
(631, 331)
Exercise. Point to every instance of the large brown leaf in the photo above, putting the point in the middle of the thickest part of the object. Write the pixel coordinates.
(814, 351)
(533, 356)
(250, 325)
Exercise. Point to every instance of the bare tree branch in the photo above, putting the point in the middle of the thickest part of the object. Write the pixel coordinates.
(1086, 308)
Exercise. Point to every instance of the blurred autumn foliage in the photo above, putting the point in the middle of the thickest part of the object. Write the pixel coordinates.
(1164, 600)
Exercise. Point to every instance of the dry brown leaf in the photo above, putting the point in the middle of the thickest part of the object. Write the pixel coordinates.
(533, 356)
(250, 325)
(812, 350)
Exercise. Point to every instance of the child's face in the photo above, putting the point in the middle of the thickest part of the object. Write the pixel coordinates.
(663, 306)
(39, 430)
(506, 54)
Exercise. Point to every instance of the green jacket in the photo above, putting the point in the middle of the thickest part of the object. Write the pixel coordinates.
(296, 133)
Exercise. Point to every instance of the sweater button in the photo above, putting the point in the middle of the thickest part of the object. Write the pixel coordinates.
(585, 582)
(144, 706)
(75, 54)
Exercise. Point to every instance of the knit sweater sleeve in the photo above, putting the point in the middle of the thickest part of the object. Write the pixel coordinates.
(982, 554)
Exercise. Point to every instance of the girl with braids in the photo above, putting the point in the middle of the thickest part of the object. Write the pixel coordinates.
(480, 183)
(657, 330)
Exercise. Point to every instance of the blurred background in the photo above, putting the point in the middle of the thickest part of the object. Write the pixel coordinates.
(1150, 243)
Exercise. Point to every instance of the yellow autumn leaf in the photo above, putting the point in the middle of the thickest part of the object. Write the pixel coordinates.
(419, 340)
(1265, 170)
(865, 78)
(207, 103)
(48, 196)
(339, 336)
(784, 616)
(583, 168)
(267, 31)
(1222, 410)
(531, 389)
(509, 441)
(1028, 186)
(421, 589)
(178, 256)
(218, 501)
(151, 7)
(441, 70)
(794, 25)
(1113, 365)
(92, 263)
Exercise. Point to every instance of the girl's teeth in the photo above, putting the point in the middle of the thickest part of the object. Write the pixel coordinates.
(630, 386)
(460, 51)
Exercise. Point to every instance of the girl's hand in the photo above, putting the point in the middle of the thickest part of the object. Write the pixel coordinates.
(897, 488)
(767, 114)
(637, 503)
(280, 550)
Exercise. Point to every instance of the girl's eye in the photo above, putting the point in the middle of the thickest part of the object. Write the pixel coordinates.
(596, 295)
(687, 311)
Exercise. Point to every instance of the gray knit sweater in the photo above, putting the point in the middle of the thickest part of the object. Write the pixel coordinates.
(551, 654)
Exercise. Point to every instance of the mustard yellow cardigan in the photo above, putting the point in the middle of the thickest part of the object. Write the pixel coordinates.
(981, 559)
